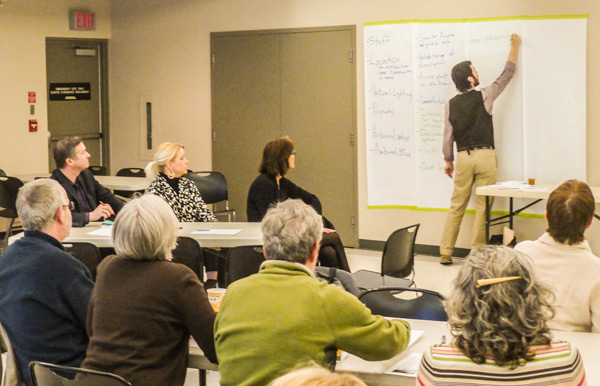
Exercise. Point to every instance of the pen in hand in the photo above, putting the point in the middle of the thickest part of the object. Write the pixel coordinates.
(112, 212)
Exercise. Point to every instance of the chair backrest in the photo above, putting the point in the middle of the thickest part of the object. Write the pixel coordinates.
(339, 277)
(98, 170)
(88, 253)
(189, 253)
(46, 374)
(12, 374)
(9, 187)
(399, 252)
(131, 172)
(242, 262)
(428, 305)
(212, 186)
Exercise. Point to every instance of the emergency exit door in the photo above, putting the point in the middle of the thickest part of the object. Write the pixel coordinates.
(78, 95)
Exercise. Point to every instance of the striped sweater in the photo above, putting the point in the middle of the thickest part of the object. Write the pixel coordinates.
(557, 364)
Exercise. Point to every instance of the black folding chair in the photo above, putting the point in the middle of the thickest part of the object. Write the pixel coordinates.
(189, 253)
(427, 305)
(130, 172)
(88, 253)
(213, 189)
(241, 262)
(46, 374)
(9, 187)
(98, 170)
(397, 262)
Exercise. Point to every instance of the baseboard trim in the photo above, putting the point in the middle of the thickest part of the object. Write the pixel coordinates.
(421, 249)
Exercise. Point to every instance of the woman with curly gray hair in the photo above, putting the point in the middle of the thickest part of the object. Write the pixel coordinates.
(497, 314)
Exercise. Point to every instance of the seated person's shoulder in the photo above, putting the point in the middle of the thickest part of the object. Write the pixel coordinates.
(263, 180)
(523, 246)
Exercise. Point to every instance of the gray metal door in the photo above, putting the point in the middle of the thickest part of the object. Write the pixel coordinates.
(75, 70)
(245, 108)
(318, 113)
(300, 83)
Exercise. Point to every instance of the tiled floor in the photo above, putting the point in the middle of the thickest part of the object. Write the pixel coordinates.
(429, 274)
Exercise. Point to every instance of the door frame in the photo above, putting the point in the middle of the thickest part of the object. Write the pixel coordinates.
(103, 91)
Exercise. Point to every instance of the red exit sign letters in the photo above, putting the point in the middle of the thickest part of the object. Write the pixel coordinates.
(82, 20)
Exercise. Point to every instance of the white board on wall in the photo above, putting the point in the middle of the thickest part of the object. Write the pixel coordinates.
(539, 120)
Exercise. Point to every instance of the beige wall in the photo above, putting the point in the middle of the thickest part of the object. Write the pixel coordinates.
(160, 50)
(164, 51)
(24, 26)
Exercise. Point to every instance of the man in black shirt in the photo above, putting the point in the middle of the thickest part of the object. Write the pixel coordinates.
(91, 201)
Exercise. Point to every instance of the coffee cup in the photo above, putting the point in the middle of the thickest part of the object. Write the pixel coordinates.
(531, 181)
(215, 296)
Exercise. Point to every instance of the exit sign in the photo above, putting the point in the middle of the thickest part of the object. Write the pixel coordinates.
(82, 20)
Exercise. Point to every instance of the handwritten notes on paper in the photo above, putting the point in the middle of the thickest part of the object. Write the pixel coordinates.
(407, 85)
(389, 99)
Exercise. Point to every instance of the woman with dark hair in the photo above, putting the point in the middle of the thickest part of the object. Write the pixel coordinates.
(271, 186)
(498, 316)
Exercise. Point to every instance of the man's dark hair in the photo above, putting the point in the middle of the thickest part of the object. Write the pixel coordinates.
(275, 157)
(460, 75)
(569, 210)
(65, 148)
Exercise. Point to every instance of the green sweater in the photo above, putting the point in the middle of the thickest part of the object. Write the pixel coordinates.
(283, 318)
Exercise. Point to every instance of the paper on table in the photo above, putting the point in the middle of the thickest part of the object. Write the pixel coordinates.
(414, 336)
(229, 232)
(407, 366)
(533, 188)
(102, 231)
(509, 185)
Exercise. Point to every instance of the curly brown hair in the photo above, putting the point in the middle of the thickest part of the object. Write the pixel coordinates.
(501, 320)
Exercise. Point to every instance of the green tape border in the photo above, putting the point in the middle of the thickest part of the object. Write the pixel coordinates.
(468, 20)
(478, 20)
(468, 211)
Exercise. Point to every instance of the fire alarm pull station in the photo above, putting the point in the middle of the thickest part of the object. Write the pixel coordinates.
(33, 125)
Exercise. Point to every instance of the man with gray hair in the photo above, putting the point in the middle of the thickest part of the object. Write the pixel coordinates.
(283, 317)
(44, 291)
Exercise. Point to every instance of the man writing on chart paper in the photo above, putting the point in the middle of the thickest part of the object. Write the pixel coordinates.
(469, 124)
(92, 201)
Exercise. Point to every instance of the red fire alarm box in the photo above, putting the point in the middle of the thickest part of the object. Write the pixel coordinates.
(33, 126)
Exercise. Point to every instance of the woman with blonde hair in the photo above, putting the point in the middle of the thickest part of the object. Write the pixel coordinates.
(169, 169)
(498, 316)
(144, 307)
(317, 376)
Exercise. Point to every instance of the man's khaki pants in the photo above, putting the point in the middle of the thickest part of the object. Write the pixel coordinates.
(475, 169)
